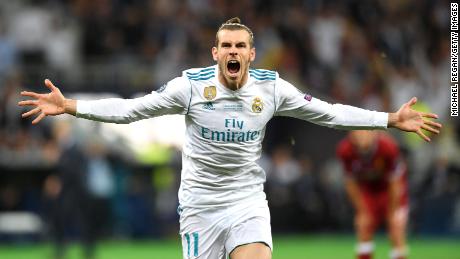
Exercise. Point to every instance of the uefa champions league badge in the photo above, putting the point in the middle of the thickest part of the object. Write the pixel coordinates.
(161, 89)
(307, 97)
(210, 92)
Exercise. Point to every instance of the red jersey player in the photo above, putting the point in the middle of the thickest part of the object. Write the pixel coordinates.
(376, 183)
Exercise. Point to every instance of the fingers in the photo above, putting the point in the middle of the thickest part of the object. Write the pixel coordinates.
(432, 124)
(412, 101)
(50, 85)
(28, 103)
(429, 115)
(39, 118)
(423, 136)
(430, 129)
(31, 112)
(30, 94)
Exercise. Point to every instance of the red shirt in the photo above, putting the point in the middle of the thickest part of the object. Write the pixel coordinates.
(374, 169)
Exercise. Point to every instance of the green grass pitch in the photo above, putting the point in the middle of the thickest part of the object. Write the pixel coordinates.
(285, 247)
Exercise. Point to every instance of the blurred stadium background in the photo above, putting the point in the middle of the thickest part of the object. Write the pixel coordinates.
(373, 54)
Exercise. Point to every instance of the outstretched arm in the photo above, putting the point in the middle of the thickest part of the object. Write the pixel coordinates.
(407, 119)
(52, 103)
(174, 99)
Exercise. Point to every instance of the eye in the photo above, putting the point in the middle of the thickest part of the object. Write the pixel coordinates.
(241, 45)
(225, 45)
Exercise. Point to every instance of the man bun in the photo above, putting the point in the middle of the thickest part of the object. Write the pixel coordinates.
(233, 20)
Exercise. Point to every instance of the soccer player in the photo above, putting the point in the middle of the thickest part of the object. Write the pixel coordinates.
(376, 183)
(223, 208)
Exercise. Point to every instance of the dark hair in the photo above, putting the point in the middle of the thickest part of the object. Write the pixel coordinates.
(235, 24)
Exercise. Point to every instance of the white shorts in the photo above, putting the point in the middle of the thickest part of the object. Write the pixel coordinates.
(215, 232)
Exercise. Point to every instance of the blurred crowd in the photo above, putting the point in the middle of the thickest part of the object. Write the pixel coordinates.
(372, 54)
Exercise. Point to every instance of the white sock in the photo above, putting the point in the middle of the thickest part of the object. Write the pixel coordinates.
(396, 253)
(365, 247)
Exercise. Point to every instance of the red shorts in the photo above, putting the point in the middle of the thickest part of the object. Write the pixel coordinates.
(377, 206)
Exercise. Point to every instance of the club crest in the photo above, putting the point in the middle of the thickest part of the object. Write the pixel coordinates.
(257, 105)
(209, 92)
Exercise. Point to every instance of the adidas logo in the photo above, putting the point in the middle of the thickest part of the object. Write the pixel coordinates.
(208, 106)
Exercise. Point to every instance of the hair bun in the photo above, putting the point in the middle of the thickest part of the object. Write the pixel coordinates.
(234, 20)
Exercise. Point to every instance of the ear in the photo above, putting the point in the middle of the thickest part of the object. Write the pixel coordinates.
(252, 54)
(214, 53)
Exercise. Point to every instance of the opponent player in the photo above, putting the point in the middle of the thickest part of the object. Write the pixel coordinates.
(223, 208)
(376, 183)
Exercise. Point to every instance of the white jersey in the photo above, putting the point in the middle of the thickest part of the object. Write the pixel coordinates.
(225, 128)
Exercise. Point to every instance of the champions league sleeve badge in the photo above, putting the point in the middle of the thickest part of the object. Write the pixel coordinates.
(307, 97)
(161, 89)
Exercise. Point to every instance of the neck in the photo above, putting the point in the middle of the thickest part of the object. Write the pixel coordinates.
(233, 84)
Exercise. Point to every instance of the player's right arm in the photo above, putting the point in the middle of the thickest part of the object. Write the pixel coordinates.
(173, 99)
(354, 194)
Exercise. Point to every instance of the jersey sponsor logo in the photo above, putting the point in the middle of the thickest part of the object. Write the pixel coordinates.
(257, 105)
(230, 135)
(307, 97)
(234, 131)
(209, 106)
(210, 92)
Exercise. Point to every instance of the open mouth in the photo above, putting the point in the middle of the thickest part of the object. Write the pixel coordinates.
(233, 66)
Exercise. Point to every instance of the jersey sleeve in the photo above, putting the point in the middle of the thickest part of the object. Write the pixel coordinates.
(172, 98)
(293, 103)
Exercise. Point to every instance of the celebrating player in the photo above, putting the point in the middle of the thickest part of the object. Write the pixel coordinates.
(376, 183)
(223, 208)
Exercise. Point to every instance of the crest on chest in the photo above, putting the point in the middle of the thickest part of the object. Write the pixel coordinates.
(257, 105)
(210, 92)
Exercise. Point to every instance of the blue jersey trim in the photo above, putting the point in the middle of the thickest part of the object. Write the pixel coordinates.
(262, 74)
(188, 110)
(200, 75)
(262, 77)
(201, 78)
(201, 70)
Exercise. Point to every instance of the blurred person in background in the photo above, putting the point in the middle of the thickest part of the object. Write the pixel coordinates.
(282, 178)
(66, 195)
(77, 196)
(223, 208)
(376, 183)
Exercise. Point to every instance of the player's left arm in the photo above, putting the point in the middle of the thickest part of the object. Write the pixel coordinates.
(293, 103)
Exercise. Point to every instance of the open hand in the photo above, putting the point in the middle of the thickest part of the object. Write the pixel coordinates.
(408, 119)
(52, 103)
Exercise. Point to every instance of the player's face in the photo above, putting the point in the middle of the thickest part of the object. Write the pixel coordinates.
(233, 55)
